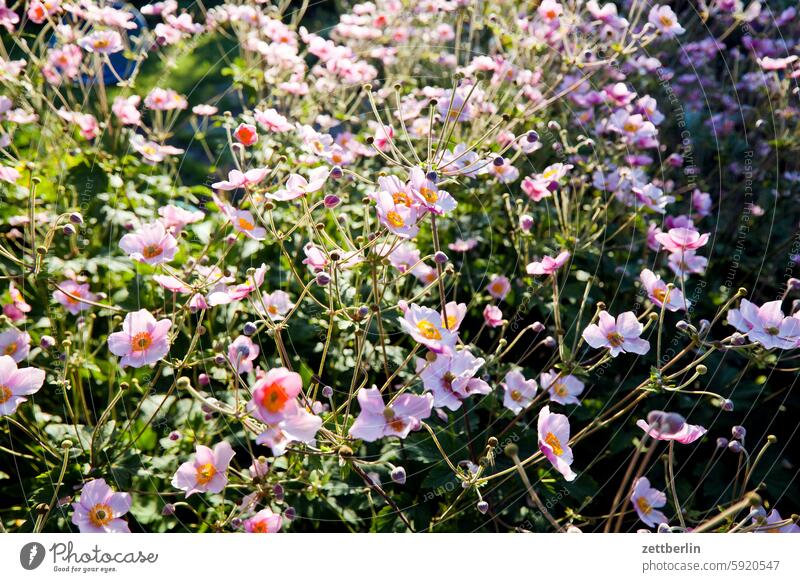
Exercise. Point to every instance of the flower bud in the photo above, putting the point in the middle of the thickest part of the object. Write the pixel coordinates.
(482, 506)
(46, 342)
(735, 447)
(69, 230)
(327, 391)
(727, 405)
(250, 328)
(174, 435)
(722, 443)
(399, 475)
(537, 327)
(336, 172)
(526, 222)
(498, 161)
(323, 279)
(440, 258)
(76, 218)
(738, 432)
(168, 510)
(532, 136)
(290, 513)
(331, 201)
(203, 380)
(277, 491)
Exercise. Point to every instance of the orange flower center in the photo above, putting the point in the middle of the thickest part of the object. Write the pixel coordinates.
(10, 348)
(274, 398)
(5, 394)
(560, 389)
(259, 527)
(151, 251)
(245, 224)
(428, 330)
(615, 339)
(401, 198)
(643, 505)
(100, 515)
(430, 196)
(660, 294)
(205, 473)
(141, 341)
(516, 395)
(554, 443)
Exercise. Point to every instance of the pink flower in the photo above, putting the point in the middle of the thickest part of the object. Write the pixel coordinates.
(428, 194)
(243, 222)
(492, 316)
(246, 134)
(237, 179)
(151, 244)
(273, 121)
(398, 419)
(682, 239)
(241, 354)
(298, 426)
(151, 151)
(462, 246)
(100, 509)
(204, 110)
(619, 335)
(563, 388)
(645, 499)
(397, 215)
(686, 262)
(315, 257)
(126, 109)
(263, 522)
(297, 185)
(518, 392)
(72, 302)
(176, 218)
(164, 100)
(425, 325)
(665, 21)
(553, 435)
(275, 305)
(142, 341)
(766, 324)
(665, 426)
(455, 314)
(16, 309)
(548, 265)
(206, 472)
(660, 294)
(8, 174)
(104, 42)
(499, 287)
(222, 294)
(15, 343)
(451, 378)
(16, 383)
(275, 395)
(86, 122)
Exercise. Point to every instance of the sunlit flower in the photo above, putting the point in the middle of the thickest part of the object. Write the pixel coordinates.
(70, 296)
(237, 179)
(16, 384)
(563, 388)
(246, 134)
(492, 316)
(451, 378)
(142, 341)
(548, 265)
(15, 343)
(207, 472)
(425, 325)
(275, 395)
(263, 522)
(553, 435)
(766, 325)
(274, 305)
(378, 420)
(660, 294)
(104, 42)
(151, 244)
(297, 185)
(665, 21)
(645, 500)
(100, 509)
(619, 335)
(241, 354)
(669, 426)
(499, 287)
(518, 392)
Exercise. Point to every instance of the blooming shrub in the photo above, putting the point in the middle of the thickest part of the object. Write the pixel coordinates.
(449, 266)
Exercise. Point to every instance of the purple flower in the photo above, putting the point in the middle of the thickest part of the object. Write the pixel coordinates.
(450, 378)
(645, 499)
(766, 324)
(660, 295)
(241, 354)
(15, 343)
(563, 388)
(100, 509)
(553, 435)
(519, 392)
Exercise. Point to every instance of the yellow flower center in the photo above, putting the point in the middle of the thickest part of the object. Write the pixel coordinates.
(660, 294)
(401, 198)
(665, 20)
(205, 473)
(141, 341)
(554, 443)
(5, 394)
(395, 219)
(516, 395)
(101, 43)
(560, 389)
(643, 505)
(431, 196)
(10, 348)
(245, 224)
(100, 515)
(428, 330)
